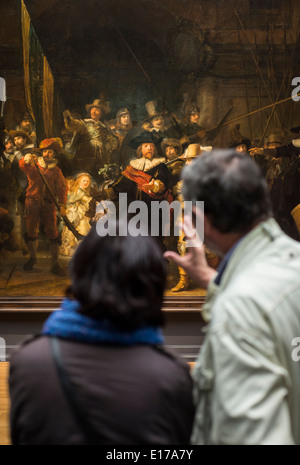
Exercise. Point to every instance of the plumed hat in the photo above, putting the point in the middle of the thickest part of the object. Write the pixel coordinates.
(192, 151)
(153, 110)
(99, 103)
(55, 143)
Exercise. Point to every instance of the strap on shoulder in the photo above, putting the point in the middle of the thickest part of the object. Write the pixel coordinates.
(91, 435)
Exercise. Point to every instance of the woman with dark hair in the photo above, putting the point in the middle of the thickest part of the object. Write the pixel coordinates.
(99, 372)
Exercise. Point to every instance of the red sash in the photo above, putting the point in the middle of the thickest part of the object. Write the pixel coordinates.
(3, 212)
(141, 178)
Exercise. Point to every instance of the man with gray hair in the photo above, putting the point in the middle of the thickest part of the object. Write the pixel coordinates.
(246, 379)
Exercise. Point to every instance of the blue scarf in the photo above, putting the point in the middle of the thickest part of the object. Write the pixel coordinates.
(68, 323)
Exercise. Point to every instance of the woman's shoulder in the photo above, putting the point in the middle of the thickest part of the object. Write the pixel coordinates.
(170, 362)
(31, 348)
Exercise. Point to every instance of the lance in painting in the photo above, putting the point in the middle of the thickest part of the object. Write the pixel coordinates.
(2, 125)
(2, 95)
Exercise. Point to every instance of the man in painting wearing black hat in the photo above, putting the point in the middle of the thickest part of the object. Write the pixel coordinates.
(95, 141)
(241, 146)
(157, 122)
(146, 178)
(239, 142)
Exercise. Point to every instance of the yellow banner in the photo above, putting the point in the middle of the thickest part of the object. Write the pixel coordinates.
(26, 34)
(48, 94)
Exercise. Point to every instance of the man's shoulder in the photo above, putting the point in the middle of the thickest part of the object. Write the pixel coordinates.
(261, 268)
(270, 280)
(277, 261)
(170, 362)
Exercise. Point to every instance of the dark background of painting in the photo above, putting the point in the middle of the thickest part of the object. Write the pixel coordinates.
(197, 48)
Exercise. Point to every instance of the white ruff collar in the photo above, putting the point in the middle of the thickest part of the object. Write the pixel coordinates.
(143, 164)
(296, 142)
(43, 164)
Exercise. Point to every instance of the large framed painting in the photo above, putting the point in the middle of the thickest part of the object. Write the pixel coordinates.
(103, 101)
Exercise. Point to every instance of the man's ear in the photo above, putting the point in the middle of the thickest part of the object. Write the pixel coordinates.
(199, 215)
(196, 213)
(208, 227)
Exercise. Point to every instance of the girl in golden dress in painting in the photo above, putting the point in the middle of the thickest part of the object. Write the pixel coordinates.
(79, 198)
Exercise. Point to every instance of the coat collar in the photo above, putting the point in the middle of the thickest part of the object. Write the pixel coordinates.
(249, 247)
(143, 164)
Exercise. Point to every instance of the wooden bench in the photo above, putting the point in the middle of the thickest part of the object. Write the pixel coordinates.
(4, 405)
